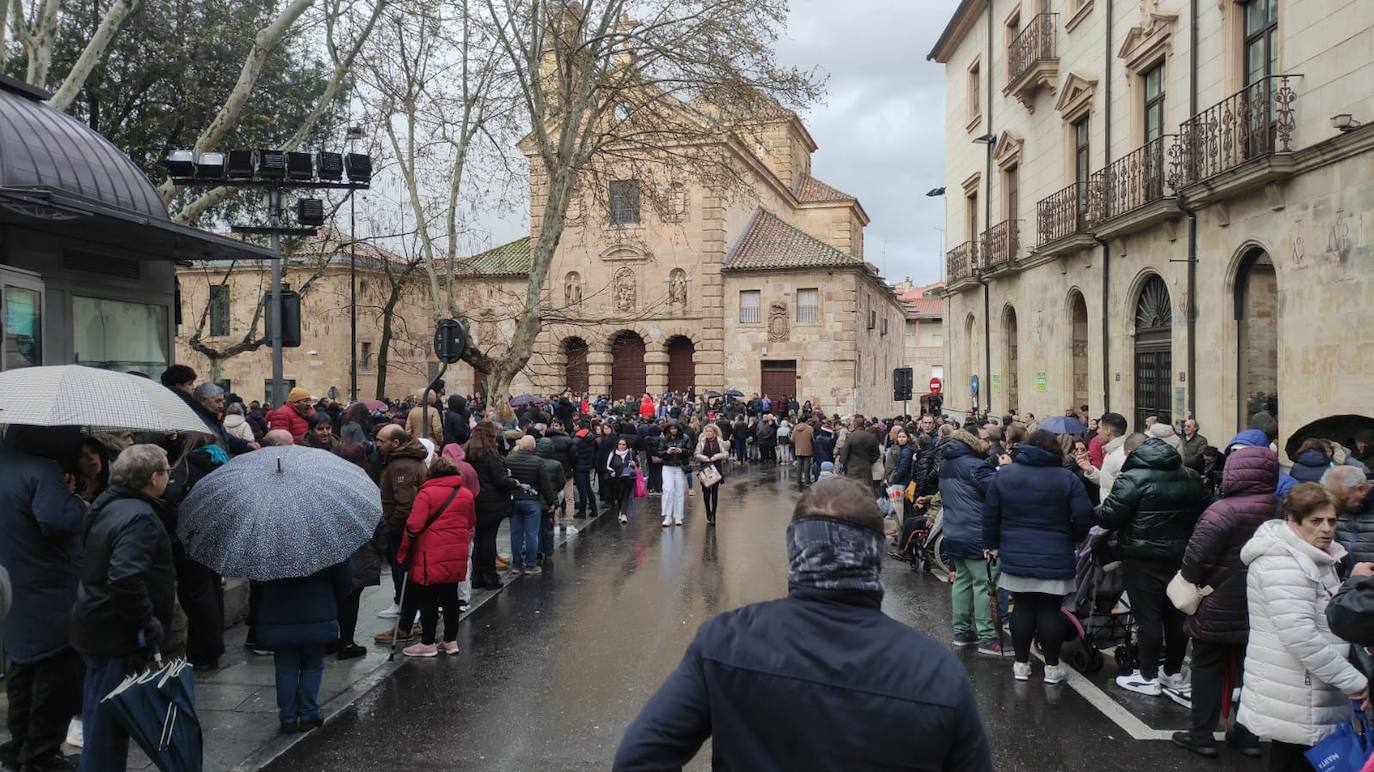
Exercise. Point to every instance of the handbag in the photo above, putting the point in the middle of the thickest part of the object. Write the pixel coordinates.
(910, 492)
(1345, 750)
(641, 487)
(1185, 595)
(709, 475)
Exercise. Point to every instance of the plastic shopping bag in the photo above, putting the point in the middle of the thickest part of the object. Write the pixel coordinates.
(641, 487)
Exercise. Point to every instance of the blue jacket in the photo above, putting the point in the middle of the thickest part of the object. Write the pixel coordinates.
(964, 479)
(1310, 465)
(40, 532)
(304, 610)
(1256, 438)
(902, 470)
(1037, 511)
(821, 679)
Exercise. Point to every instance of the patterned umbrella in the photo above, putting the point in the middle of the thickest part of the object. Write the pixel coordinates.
(279, 512)
(75, 395)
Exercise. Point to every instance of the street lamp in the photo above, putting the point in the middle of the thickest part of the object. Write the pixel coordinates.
(269, 169)
(355, 133)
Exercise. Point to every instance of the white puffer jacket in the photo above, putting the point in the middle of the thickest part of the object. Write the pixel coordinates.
(1296, 673)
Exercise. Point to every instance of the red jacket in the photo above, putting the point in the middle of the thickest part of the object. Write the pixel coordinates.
(286, 417)
(646, 407)
(439, 553)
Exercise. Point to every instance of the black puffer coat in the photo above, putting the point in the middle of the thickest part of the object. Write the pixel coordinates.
(493, 497)
(1154, 504)
(1213, 559)
(1355, 531)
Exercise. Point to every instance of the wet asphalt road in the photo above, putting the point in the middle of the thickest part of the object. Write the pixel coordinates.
(554, 667)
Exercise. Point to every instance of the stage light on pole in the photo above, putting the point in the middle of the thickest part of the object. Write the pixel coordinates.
(271, 164)
(329, 166)
(181, 164)
(358, 166)
(240, 166)
(300, 166)
(310, 211)
(210, 166)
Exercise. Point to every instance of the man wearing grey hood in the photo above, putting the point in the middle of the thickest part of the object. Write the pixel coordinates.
(821, 679)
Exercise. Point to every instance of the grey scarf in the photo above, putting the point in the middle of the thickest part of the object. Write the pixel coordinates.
(832, 554)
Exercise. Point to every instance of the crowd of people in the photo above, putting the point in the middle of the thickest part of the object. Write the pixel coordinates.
(88, 540)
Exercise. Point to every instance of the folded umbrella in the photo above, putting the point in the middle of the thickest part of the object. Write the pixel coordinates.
(278, 513)
(158, 710)
(76, 395)
(1062, 424)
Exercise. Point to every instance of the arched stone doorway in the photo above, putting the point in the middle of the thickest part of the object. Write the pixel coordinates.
(682, 372)
(1154, 365)
(1257, 336)
(1009, 360)
(1078, 351)
(575, 373)
(628, 374)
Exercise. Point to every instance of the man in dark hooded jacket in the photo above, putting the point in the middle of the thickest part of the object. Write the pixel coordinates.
(821, 679)
(40, 524)
(456, 429)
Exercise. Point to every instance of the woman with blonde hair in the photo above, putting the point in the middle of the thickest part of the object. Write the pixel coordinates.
(711, 453)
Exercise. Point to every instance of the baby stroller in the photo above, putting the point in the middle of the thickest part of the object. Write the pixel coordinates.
(1097, 615)
(922, 546)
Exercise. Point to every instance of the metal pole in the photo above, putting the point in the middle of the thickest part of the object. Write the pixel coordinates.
(352, 300)
(274, 320)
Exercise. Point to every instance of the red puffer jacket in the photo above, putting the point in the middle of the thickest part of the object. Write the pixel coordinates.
(286, 417)
(439, 554)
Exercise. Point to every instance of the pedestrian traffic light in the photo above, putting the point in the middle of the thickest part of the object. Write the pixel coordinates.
(901, 384)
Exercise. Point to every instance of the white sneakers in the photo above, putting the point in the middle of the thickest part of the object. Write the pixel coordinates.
(390, 612)
(1137, 683)
(624, 520)
(1054, 674)
(1176, 682)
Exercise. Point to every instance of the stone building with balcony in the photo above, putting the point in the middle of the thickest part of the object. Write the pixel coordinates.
(1163, 207)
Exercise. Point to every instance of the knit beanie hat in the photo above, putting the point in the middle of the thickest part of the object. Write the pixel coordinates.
(298, 394)
(1265, 423)
(1163, 431)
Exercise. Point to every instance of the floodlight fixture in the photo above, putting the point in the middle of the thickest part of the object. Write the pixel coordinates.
(300, 166)
(329, 166)
(359, 167)
(240, 166)
(986, 139)
(181, 163)
(935, 192)
(210, 166)
(310, 211)
(356, 132)
(271, 164)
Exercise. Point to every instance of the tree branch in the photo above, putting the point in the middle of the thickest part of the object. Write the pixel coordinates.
(94, 52)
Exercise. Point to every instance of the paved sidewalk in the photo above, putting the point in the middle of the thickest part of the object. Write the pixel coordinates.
(237, 704)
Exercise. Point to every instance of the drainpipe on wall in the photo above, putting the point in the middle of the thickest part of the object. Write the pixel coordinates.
(987, 223)
(1191, 363)
(1106, 248)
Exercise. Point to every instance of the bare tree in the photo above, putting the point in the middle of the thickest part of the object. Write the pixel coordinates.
(643, 89)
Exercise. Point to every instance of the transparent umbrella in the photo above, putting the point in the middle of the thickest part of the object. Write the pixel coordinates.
(279, 512)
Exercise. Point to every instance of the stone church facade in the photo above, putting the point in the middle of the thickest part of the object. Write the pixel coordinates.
(1160, 208)
(763, 289)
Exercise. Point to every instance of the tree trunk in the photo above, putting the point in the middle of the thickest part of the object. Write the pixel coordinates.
(93, 54)
(384, 350)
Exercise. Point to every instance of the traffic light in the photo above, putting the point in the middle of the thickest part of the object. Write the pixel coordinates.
(290, 317)
(901, 384)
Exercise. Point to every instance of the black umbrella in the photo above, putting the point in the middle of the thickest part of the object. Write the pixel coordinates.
(1337, 428)
(158, 709)
(710, 394)
(734, 393)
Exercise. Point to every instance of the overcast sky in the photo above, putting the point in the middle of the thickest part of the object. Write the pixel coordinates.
(880, 130)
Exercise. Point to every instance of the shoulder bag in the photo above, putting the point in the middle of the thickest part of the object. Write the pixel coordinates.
(1185, 595)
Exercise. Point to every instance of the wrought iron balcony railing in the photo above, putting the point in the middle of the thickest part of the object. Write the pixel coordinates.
(1254, 122)
(962, 261)
(1062, 214)
(1033, 44)
(1138, 178)
(1000, 245)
